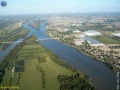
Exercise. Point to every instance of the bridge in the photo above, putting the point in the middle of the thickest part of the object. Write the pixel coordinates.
(21, 41)
(44, 39)
(10, 42)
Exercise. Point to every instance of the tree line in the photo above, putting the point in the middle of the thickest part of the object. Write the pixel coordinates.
(74, 82)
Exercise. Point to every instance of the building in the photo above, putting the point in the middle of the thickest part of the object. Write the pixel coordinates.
(78, 43)
(76, 31)
(93, 42)
(81, 36)
(65, 30)
(92, 33)
(116, 35)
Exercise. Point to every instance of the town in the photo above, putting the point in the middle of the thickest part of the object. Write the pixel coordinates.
(95, 35)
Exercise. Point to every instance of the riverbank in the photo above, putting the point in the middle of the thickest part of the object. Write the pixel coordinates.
(84, 51)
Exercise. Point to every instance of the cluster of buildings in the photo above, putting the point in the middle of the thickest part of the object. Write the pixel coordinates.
(87, 36)
(59, 26)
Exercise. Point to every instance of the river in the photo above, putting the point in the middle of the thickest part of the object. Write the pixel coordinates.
(102, 77)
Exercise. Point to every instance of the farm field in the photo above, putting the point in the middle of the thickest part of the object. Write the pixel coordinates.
(11, 37)
(31, 77)
(10, 33)
(13, 26)
(29, 66)
(106, 40)
(10, 28)
(31, 73)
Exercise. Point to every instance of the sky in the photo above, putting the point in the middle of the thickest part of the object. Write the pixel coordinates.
(58, 6)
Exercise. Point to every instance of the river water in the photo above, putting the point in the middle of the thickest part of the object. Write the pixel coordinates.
(102, 77)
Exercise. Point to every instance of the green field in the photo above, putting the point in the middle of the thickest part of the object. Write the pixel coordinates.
(31, 77)
(106, 40)
(13, 26)
(9, 28)
(31, 73)
(10, 33)
(13, 36)
(29, 66)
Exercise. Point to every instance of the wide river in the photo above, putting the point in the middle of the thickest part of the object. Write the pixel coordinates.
(102, 77)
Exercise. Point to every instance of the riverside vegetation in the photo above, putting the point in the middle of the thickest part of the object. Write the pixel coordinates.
(36, 24)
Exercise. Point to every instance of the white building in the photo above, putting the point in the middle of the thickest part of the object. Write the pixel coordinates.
(92, 33)
(93, 42)
(76, 31)
(116, 34)
(65, 30)
(81, 36)
(78, 43)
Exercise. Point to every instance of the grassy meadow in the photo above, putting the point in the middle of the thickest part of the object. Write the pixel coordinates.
(32, 78)
(106, 40)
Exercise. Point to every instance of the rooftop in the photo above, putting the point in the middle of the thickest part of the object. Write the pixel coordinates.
(116, 34)
(78, 43)
(76, 31)
(93, 42)
(92, 33)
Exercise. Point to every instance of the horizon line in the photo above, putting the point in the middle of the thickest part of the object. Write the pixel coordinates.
(60, 13)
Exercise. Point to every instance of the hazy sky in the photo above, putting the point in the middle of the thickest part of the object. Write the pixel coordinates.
(59, 6)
